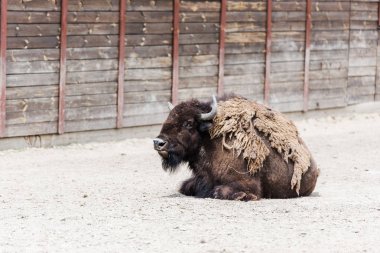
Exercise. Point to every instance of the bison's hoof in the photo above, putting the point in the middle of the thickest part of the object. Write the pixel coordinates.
(244, 196)
(227, 192)
(222, 192)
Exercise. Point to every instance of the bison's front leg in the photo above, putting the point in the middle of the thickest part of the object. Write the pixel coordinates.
(197, 186)
(243, 190)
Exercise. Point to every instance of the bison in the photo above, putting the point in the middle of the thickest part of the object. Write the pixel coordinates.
(219, 169)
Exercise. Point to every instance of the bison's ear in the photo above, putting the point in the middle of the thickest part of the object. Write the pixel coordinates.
(204, 126)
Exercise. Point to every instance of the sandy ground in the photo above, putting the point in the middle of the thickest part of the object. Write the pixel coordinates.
(114, 197)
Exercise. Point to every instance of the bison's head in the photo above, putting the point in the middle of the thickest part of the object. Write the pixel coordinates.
(182, 133)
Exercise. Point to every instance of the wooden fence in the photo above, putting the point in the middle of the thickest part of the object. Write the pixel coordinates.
(70, 65)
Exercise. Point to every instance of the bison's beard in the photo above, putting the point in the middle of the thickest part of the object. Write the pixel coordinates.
(172, 162)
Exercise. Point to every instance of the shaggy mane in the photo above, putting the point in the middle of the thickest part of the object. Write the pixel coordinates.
(238, 122)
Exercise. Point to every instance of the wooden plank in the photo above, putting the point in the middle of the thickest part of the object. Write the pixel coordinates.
(268, 52)
(319, 6)
(329, 64)
(329, 45)
(246, 37)
(149, 74)
(251, 78)
(337, 25)
(143, 120)
(327, 94)
(136, 109)
(362, 71)
(194, 82)
(175, 52)
(27, 17)
(245, 27)
(32, 92)
(244, 58)
(62, 69)
(92, 76)
(199, 71)
(319, 104)
(148, 96)
(364, 15)
(203, 93)
(32, 67)
(33, 42)
(198, 38)
(34, 5)
(202, 49)
(3, 66)
(33, 30)
(196, 60)
(22, 80)
(32, 104)
(307, 56)
(30, 55)
(28, 117)
(147, 5)
(236, 16)
(316, 84)
(222, 41)
(363, 25)
(329, 73)
(357, 99)
(246, 6)
(289, 45)
(200, 17)
(362, 61)
(31, 129)
(149, 17)
(91, 100)
(91, 65)
(121, 65)
(362, 81)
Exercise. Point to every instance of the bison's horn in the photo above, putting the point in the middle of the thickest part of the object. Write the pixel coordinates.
(171, 106)
(210, 115)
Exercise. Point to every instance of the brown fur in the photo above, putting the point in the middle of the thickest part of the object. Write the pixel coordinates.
(218, 172)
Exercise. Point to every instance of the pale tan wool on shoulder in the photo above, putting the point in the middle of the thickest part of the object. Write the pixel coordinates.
(238, 121)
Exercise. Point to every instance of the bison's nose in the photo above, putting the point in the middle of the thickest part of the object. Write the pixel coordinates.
(159, 144)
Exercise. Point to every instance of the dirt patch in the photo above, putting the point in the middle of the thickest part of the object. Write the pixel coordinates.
(115, 197)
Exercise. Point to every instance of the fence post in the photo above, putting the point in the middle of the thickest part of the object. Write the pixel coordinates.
(62, 71)
(175, 53)
(222, 39)
(3, 66)
(120, 87)
(268, 49)
(307, 56)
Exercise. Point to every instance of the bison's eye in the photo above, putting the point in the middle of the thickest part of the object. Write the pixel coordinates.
(188, 124)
